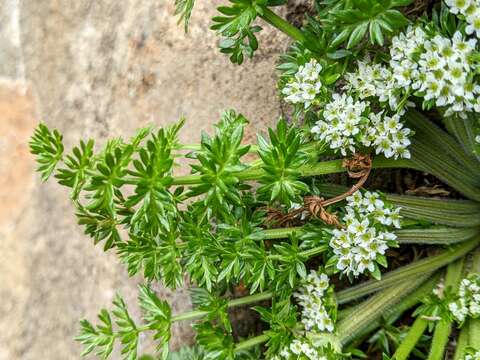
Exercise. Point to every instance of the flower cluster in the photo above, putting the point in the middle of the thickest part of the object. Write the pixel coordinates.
(439, 69)
(305, 85)
(362, 243)
(374, 80)
(315, 314)
(348, 124)
(302, 349)
(468, 302)
(470, 10)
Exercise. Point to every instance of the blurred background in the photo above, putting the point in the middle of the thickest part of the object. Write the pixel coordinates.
(98, 69)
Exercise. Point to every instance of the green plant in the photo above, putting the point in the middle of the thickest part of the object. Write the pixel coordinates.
(305, 249)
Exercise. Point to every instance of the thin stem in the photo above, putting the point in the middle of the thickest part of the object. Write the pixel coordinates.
(282, 233)
(305, 254)
(423, 266)
(444, 327)
(373, 308)
(438, 235)
(282, 25)
(251, 342)
(462, 344)
(458, 213)
(414, 334)
(440, 340)
(195, 314)
(320, 168)
(474, 332)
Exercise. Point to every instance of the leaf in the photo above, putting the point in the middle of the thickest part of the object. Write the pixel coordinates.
(357, 35)
(127, 330)
(281, 159)
(157, 315)
(77, 166)
(48, 147)
(183, 8)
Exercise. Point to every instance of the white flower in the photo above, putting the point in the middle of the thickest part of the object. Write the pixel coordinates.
(468, 302)
(359, 243)
(474, 356)
(310, 297)
(299, 348)
(348, 125)
(305, 85)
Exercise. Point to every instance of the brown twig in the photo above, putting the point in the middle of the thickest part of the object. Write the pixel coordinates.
(358, 167)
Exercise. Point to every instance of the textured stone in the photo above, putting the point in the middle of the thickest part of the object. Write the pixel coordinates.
(101, 69)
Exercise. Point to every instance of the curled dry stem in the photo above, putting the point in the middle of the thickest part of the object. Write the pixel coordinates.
(358, 167)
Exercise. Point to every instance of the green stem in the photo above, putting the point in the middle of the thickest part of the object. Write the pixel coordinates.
(462, 343)
(474, 333)
(427, 265)
(320, 168)
(439, 139)
(246, 344)
(414, 334)
(195, 314)
(457, 213)
(392, 314)
(373, 309)
(282, 25)
(281, 233)
(437, 235)
(440, 340)
(444, 327)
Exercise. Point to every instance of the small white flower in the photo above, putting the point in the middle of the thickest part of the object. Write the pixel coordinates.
(305, 85)
(468, 302)
(360, 243)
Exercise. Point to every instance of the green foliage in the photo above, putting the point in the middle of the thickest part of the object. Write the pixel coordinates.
(216, 342)
(77, 165)
(47, 146)
(281, 159)
(103, 336)
(183, 9)
(157, 315)
(388, 337)
(351, 20)
(100, 225)
(152, 178)
(127, 330)
(282, 318)
(235, 26)
(218, 165)
(435, 307)
(215, 307)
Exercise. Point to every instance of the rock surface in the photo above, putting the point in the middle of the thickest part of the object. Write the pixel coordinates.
(98, 69)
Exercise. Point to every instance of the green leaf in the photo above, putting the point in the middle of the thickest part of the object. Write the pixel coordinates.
(77, 166)
(218, 162)
(281, 158)
(127, 330)
(357, 35)
(183, 8)
(47, 146)
(157, 315)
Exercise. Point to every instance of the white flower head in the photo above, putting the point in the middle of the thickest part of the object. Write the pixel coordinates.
(467, 303)
(305, 85)
(366, 234)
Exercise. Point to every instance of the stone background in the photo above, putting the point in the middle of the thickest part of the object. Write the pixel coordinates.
(97, 69)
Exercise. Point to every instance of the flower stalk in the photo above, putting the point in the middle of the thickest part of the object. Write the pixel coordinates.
(282, 25)
(444, 327)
